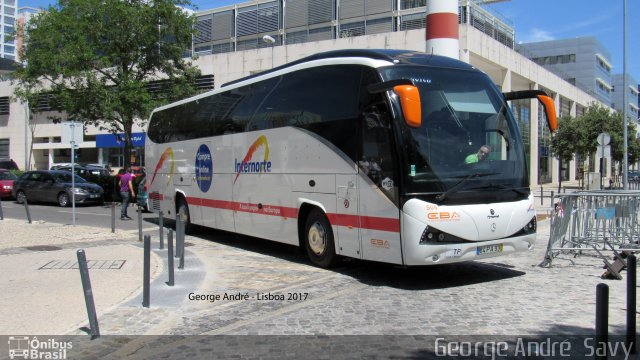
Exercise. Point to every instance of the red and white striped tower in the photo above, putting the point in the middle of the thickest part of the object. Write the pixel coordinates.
(442, 28)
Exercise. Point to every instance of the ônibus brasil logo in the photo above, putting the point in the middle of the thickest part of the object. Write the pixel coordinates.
(255, 167)
(24, 347)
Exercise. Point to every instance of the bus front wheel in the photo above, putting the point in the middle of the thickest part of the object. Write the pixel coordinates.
(319, 239)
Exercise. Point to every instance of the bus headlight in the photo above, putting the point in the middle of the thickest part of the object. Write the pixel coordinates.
(433, 235)
(531, 227)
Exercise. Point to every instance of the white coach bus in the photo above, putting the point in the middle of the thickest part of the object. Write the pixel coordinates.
(370, 154)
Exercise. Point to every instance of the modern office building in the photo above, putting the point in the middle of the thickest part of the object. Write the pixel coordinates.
(24, 14)
(581, 61)
(632, 95)
(235, 41)
(8, 12)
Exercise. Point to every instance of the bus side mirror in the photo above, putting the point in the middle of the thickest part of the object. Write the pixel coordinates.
(550, 111)
(547, 104)
(409, 96)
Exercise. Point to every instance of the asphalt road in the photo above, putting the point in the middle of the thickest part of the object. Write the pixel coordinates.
(88, 215)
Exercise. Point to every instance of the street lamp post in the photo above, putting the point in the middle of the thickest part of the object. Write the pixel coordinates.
(625, 170)
(270, 40)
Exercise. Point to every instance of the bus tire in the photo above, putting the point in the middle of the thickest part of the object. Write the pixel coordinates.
(318, 239)
(182, 204)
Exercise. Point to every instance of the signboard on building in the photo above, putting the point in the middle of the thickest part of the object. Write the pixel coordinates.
(116, 141)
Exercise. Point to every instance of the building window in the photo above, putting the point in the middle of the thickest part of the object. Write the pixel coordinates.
(412, 4)
(522, 112)
(4, 105)
(544, 153)
(4, 148)
(603, 64)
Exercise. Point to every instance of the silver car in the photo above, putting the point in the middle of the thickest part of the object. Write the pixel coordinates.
(55, 186)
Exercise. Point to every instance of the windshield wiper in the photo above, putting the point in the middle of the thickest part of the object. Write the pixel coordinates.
(502, 187)
(457, 186)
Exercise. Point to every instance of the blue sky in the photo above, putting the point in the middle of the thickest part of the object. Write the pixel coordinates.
(537, 20)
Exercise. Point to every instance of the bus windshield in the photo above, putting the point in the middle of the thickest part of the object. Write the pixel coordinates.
(468, 147)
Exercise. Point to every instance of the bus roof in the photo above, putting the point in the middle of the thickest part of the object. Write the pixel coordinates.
(372, 57)
(406, 57)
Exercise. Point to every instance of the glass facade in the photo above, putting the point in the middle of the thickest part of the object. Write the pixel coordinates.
(300, 21)
(7, 37)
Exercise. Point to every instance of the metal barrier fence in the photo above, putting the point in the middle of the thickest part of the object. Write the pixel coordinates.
(594, 221)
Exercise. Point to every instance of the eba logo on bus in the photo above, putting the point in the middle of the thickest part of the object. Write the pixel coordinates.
(204, 168)
(254, 167)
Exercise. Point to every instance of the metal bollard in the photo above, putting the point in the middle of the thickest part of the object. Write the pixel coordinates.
(139, 224)
(113, 217)
(1, 214)
(178, 232)
(181, 261)
(181, 236)
(88, 294)
(170, 256)
(161, 225)
(631, 303)
(602, 320)
(146, 273)
(26, 208)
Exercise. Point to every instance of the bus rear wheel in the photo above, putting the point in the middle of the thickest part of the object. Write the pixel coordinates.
(318, 239)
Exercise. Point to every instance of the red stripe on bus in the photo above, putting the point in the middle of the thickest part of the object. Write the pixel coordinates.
(442, 26)
(365, 222)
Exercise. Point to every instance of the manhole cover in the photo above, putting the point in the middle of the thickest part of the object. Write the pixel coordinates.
(43, 248)
(187, 244)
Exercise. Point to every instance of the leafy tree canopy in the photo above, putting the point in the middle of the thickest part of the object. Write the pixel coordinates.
(96, 57)
(579, 135)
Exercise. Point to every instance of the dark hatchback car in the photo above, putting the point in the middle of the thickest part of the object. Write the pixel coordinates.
(8, 164)
(55, 186)
(86, 171)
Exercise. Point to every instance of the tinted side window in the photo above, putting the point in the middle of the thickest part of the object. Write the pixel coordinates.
(323, 100)
(223, 113)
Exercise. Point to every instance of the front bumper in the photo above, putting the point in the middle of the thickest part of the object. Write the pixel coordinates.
(87, 198)
(433, 253)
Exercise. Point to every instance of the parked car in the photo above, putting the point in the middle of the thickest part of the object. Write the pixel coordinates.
(86, 171)
(58, 166)
(55, 186)
(6, 183)
(100, 166)
(9, 165)
(633, 175)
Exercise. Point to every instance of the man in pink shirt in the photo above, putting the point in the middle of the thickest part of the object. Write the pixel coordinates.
(126, 190)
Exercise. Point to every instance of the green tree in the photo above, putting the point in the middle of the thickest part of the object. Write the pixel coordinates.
(598, 119)
(564, 143)
(96, 57)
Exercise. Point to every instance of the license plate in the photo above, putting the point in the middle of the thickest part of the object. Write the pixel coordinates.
(94, 196)
(489, 249)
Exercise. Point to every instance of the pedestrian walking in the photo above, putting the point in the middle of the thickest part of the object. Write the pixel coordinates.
(126, 192)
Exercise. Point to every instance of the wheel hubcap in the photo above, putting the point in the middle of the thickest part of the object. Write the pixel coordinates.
(21, 197)
(63, 200)
(317, 238)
